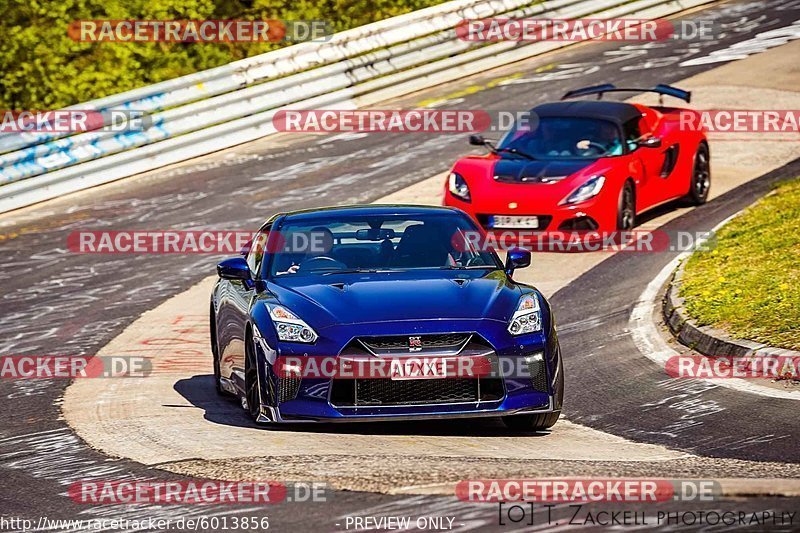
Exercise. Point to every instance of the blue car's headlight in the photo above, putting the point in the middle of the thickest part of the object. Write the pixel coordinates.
(528, 316)
(290, 328)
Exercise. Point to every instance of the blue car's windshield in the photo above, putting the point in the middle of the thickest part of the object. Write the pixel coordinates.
(554, 138)
(325, 246)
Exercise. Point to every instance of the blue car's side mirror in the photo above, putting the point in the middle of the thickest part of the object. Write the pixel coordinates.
(234, 268)
(517, 258)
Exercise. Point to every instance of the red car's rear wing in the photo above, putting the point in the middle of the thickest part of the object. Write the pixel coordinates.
(600, 90)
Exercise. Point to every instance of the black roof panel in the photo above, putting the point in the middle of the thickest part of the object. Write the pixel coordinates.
(618, 112)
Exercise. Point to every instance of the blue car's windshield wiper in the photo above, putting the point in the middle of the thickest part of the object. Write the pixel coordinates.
(470, 267)
(355, 271)
(377, 270)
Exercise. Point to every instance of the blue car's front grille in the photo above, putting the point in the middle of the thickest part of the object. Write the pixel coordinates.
(417, 391)
(375, 392)
(418, 344)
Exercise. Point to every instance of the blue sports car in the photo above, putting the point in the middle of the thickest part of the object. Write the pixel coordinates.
(382, 284)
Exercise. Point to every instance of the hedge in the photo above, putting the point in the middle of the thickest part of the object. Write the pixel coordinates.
(42, 68)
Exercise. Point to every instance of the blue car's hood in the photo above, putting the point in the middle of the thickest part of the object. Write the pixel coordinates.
(324, 301)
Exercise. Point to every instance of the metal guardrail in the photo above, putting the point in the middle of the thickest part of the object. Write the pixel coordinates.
(229, 105)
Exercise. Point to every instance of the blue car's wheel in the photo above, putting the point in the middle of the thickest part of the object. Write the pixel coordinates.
(252, 383)
(215, 354)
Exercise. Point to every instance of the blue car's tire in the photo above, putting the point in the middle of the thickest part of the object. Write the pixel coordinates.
(252, 382)
(539, 422)
(215, 355)
(532, 422)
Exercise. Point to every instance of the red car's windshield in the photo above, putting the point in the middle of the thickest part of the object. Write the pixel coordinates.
(564, 138)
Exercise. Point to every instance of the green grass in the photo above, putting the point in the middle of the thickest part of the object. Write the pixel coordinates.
(748, 282)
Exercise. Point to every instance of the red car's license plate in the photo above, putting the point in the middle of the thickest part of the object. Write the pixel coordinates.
(513, 222)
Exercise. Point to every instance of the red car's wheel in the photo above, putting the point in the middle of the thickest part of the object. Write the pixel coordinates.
(626, 208)
(701, 177)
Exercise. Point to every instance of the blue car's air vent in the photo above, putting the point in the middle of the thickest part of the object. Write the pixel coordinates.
(538, 375)
(287, 389)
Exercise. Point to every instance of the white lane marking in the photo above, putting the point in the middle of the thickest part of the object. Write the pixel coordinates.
(346, 136)
(743, 49)
(652, 345)
(568, 72)
(440, 103)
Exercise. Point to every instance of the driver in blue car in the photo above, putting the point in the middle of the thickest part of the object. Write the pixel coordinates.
(319, 243)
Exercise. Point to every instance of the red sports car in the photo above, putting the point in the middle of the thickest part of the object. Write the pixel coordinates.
(584, 166)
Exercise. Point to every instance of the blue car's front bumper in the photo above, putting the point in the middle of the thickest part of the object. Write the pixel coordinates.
(320, 400)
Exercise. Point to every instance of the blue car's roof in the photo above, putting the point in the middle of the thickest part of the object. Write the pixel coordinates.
(373, 209)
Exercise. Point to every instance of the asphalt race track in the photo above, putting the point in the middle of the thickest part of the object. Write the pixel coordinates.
(57, 302)
(706, 419)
